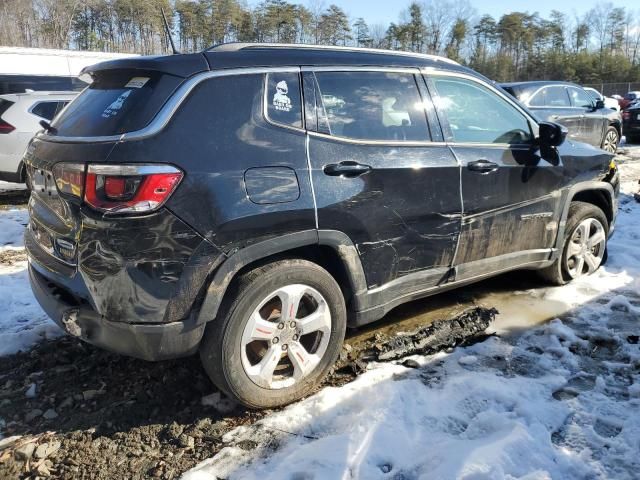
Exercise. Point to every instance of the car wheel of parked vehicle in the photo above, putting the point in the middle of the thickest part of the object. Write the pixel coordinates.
(584, 246)
(633, 138)
(611, 140)
(277, 334)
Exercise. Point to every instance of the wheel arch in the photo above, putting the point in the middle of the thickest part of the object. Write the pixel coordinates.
(600, 194)
(330, 249)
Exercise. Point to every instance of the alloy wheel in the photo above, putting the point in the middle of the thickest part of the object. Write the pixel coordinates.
(610, 141)
(286, 336)
(586, 248)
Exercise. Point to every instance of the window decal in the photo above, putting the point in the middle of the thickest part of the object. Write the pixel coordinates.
(281, 100)
(113, 109)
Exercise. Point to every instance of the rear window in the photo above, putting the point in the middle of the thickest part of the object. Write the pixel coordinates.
(116, 102)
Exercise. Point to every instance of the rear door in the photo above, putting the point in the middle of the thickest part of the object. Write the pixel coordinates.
(508, 188)
(593, 120)
(382, 173)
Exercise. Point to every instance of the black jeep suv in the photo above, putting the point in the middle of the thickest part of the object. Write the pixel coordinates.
(251, 201)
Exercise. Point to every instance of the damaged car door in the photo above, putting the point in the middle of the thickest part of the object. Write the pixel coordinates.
(508, 188)
(381, 171)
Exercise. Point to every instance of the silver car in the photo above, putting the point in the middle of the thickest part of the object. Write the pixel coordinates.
(20, 116)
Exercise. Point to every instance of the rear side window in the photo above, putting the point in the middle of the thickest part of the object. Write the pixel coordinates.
(381, 106)
(284, 102)
(551, 97)
(116, 102)
(46, 110)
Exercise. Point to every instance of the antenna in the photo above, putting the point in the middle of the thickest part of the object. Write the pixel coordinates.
(166, 27)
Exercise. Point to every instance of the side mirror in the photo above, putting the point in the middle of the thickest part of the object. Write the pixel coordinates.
(551, 134)
(599, 104)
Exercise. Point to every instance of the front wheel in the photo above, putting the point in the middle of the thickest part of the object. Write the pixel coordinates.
(277, 334)
(611, 140)
(584, 246)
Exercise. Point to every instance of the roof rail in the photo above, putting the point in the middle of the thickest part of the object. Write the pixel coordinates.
(237, 46)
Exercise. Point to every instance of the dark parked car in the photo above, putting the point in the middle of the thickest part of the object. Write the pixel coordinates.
(251, 201)
(570, 105)
(629, 99)
(631, 123)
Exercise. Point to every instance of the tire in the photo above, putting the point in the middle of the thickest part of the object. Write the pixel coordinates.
(560, 272)
(234, 360)
(633, 139)
(611, 140)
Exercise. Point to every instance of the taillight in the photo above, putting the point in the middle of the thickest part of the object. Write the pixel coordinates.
(6, 127)
(69, 178)
(626, 115)
(130, 188)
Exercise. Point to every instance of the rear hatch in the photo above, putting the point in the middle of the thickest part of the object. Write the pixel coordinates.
(125, 96)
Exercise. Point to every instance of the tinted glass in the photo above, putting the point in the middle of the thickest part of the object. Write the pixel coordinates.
(284, 102)
(580, 98)
(373, 106)
(4, 105)
(479, 115)
(551, 97)
(20, 83)
(45, 110)
(116, 102)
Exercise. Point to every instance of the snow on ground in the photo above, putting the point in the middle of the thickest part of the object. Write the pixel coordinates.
(22, 321)
(561, 400)
(8, 186)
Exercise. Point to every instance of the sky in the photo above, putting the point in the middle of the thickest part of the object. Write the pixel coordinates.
(386, 11)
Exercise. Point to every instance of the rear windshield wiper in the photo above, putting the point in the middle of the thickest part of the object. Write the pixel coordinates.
(48, 128)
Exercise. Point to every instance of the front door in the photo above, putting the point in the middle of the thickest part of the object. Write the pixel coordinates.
(378, 174)
(508, 189)
(552, 104)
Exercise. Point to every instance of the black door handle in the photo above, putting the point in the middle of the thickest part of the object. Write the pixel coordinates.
(483, 166)
(346, 169)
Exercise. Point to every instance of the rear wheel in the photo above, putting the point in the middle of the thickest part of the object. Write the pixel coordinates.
(633, 138)
(611, 140)
(277, 334)
(584, 246)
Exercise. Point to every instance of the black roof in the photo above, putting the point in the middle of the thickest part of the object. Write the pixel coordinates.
(241, 55)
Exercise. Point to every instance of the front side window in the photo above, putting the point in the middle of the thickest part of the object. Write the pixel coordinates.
(580, 98)
(284, 102)
(476, 114)
(378, 106)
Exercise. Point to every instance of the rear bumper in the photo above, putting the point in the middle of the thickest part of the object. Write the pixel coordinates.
(145, 341)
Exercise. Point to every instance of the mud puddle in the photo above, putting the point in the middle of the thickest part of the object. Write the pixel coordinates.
(518, 297)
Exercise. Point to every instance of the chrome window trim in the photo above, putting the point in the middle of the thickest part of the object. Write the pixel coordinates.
(160, 121)
(265, 102)
(429, 72)
(389, 143)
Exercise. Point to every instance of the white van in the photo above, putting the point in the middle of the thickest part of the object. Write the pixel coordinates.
(24, 69)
